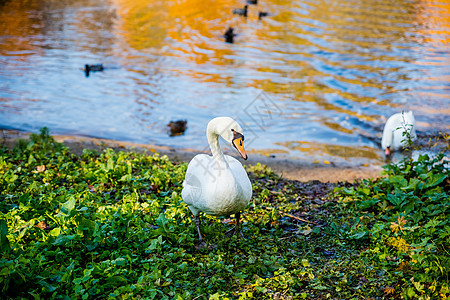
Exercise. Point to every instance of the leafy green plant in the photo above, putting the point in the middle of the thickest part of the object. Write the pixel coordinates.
(407, 222)
(112, 224)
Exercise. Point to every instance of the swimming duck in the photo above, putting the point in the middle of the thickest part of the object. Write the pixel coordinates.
(241, 11)
(229, 35)
(393, 138)
(177, 127)
(218, 185)
(92, 68)
(262, 14)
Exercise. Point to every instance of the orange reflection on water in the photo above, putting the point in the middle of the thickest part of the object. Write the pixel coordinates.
(268, 152)
(143, 24)
(30, 27)
(434, 17)
(348, 152)
(192, 31)
(18, 23)
(434, 28)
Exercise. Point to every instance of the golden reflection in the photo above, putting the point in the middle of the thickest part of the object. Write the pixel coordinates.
(18, 23)
(95, 24)
(434, 28)
(349, 29)
(144, 24)
(267, 152)
(337, 127)
(434, 18)
(333, 150)
(27, 24)
(190, 30)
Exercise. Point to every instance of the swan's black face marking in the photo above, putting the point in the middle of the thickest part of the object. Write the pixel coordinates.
(237, 135)
(237, 142)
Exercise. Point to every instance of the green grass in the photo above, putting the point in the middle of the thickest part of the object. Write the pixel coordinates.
(113, 225)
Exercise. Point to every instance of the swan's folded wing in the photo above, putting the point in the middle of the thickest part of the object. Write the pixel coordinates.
(240, 175)
(193, 184)
(192, 190)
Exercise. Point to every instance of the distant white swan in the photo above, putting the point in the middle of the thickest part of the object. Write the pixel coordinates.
(393, 138)
(218, 185)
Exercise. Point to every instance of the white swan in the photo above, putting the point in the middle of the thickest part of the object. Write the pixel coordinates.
(218, 185)
(393, 138)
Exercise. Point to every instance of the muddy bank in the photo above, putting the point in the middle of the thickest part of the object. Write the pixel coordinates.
(287, 168)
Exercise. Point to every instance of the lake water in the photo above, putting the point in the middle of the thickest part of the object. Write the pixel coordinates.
(314, 80)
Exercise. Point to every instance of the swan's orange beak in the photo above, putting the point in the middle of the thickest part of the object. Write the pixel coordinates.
(239, 145)
(387, 151)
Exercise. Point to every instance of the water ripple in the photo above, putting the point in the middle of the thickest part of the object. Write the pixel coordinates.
(331, 71)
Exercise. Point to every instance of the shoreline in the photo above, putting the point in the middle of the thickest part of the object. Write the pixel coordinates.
(292, 169)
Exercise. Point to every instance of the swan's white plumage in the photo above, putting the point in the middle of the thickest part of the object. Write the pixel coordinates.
(217, 185)
(216, 191)
(393, 137)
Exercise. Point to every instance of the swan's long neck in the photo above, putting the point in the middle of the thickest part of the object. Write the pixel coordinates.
(389, 135)
(213, 140)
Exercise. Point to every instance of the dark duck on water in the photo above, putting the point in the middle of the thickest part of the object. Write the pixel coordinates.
(177, 127)
(262, 14)
(92, 68)
(241, 11)
(229, 35)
